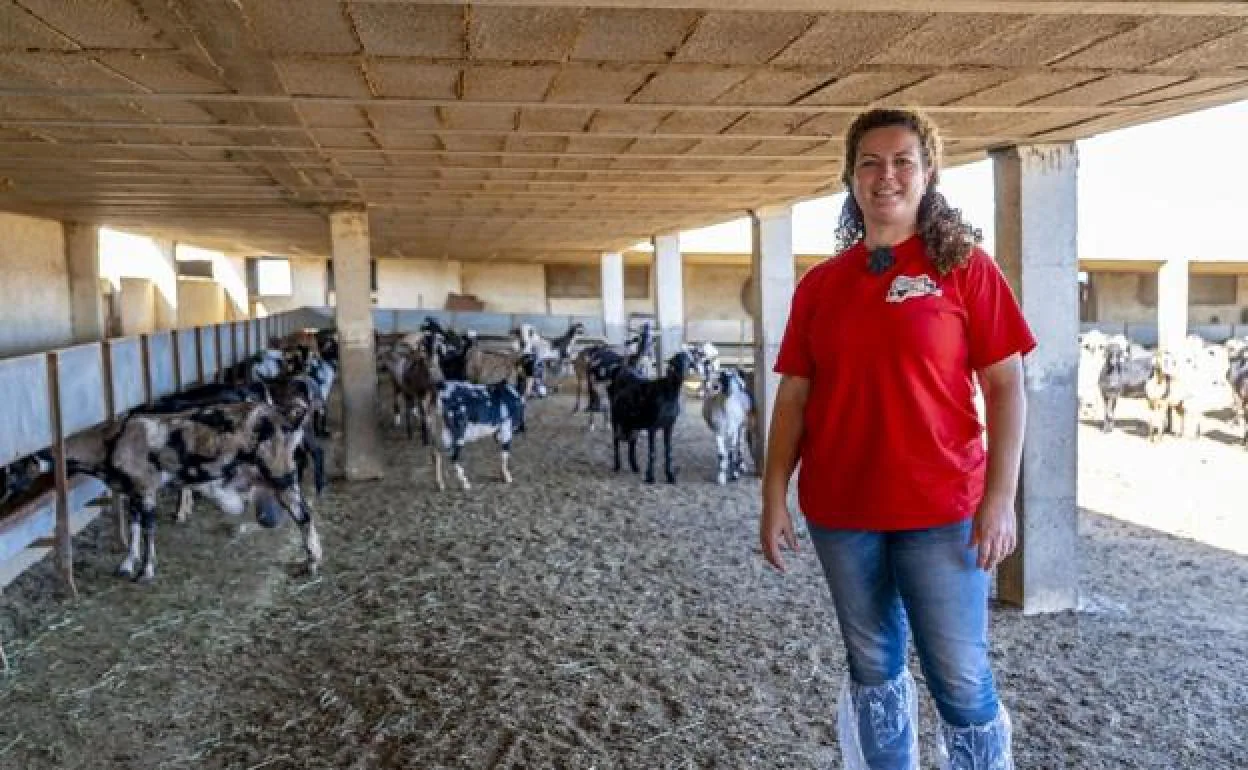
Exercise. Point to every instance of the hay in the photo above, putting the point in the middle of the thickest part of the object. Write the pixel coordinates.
(573, 619)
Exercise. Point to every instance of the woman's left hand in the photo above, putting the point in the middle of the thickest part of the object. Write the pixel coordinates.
(994, 530)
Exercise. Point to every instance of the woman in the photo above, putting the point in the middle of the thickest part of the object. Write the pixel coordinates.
(907, 511)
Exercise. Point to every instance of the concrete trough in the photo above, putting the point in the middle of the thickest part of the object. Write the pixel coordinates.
(82, 395)
(37, 520)
(188, 367)
(161, 365)
(25, 408)
(211, 357)
(126, 359)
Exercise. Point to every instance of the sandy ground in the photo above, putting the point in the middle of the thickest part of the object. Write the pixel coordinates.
(580, 619)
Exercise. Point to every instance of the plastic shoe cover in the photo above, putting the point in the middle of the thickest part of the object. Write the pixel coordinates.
(892, 707)
(978, 747)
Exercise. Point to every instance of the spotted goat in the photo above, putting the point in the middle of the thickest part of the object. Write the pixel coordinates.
(234, 454)
(463, 413)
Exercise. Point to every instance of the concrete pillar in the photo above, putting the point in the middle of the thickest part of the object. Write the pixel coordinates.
(1036, 246)
(614, 320)
(669, 297)
(165, 280)
(1172, 280)
(354, 316)
(773, 275)
(86, 303)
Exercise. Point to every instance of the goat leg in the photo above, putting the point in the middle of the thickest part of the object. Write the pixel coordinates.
(147, 568)
(506, 454)
(318, 464)
(459, 468)
(721, 477)
(127, 567)
(667, 454)
(437, 469)
(185, 500)
(615, 445)
(650, 438)
(302, 514)
(632, 453)
(407, 416)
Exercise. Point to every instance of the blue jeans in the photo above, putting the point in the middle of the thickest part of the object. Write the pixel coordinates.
(882, 582)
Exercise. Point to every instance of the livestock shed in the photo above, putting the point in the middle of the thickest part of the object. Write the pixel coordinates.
(408, 159)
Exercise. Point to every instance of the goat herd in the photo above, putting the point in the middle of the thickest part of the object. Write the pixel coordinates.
(1179, 386)
(461, 390)
(250, 438)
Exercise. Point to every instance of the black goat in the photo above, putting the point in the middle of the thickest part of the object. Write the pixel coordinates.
(1122, 374)
(651, 405)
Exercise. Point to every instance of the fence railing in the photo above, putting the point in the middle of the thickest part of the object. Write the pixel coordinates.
(53, 396)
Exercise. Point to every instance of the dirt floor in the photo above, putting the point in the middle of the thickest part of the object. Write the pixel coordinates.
(582, 619)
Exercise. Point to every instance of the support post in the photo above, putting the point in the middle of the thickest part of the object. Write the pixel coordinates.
(1172, 287)
(354, 316)
(63, 534)
(82, 257)
(1036, 237)
(772, 280)
(614, 320)
(668, 295)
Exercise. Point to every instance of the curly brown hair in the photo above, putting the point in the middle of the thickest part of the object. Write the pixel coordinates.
(948, 237)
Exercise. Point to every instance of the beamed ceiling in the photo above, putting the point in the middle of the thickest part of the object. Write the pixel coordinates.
(544, 130)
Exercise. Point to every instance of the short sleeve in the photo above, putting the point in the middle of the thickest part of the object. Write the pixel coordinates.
(795, 355)
(996, 326)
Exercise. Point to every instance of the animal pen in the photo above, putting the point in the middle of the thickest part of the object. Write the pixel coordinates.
(52, 397)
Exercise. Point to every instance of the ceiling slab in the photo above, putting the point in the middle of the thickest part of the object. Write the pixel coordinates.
(500, 128)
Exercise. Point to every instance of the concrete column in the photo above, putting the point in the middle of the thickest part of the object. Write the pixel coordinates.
(1036, 243)
(1172, 280)
(86, 303)
(354, 316)
(614, 319)
(773, 275)
(165, 279)
(669, 297)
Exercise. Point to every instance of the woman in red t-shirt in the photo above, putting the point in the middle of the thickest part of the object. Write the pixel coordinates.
(907, 510)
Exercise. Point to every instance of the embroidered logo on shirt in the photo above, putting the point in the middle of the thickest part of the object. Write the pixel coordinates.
(910, 286)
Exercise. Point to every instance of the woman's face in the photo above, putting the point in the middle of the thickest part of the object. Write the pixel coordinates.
(890, 177)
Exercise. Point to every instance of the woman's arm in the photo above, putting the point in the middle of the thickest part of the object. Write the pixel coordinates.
(995, 527)
(783, 445)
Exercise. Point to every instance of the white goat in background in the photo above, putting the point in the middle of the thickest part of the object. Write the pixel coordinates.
(728, 411)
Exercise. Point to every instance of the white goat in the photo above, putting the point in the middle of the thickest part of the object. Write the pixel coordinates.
(728, 411)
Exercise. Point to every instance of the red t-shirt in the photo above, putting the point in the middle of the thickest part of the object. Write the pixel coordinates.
(892, 439)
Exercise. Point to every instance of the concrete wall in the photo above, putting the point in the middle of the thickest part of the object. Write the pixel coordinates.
(1118, 297)
(420, 283)
(200, 303)
(309, 282)
(506, 287)
(137, 300)
(34, 285)
(713, 292)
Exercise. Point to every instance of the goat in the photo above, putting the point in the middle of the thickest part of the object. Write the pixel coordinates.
(600, 363)
(650, 405)
(727, 411)
(489, 367)
(463, 413)
(415, 374)
(322, 373)
(1238, 378)
(20, 475)
(233, 453)
(1123, 373)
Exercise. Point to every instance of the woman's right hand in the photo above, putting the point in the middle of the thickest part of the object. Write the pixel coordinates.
(775, 528)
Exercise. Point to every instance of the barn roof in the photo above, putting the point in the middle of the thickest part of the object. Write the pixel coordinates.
(545, 129)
